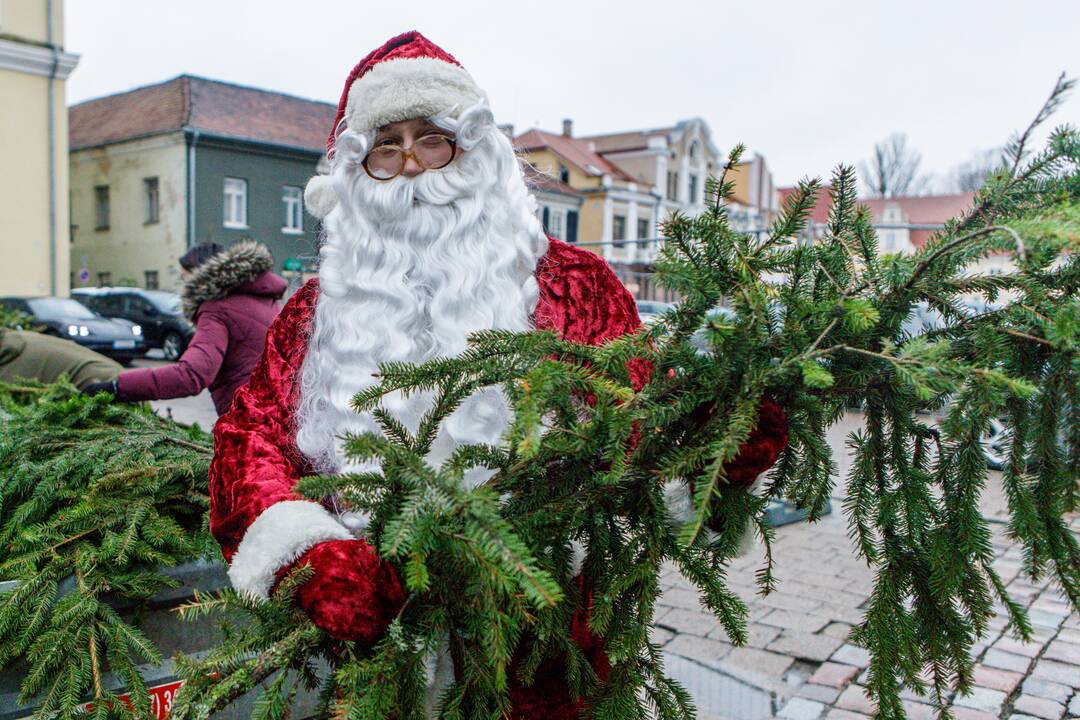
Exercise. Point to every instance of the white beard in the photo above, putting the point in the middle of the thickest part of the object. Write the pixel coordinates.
(408, 269)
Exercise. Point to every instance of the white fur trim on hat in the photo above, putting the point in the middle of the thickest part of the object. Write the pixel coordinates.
(281, 534)
(319, 196)
(407, 88)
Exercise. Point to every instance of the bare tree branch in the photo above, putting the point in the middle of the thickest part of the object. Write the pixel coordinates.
(893, 171)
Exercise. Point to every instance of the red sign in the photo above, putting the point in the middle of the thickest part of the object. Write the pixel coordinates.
(161, 699)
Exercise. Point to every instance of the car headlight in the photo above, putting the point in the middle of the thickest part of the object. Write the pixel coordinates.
(73, 330)
(83, 331)
(136, 329)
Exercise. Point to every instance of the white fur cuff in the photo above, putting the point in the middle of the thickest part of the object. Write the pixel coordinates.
(678, 500)
(680, 506)
(281, 534)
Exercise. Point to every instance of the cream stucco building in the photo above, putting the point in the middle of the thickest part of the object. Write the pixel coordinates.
(34, 229)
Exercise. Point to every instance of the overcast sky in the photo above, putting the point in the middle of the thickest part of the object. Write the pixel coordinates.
(806, 84)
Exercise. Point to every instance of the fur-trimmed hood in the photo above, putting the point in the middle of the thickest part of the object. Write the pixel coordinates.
(227, 272)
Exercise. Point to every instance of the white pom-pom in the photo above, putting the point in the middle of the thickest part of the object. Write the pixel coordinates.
(356, 522)
(320, 196)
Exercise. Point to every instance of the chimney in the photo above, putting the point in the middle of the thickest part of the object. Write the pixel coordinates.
(507, 130)
(568, 127)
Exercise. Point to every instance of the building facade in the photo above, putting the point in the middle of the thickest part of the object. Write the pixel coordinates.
(161, 168)
(631, 182)
(755, 197)
(672, 162)
(616, 210)
(33, 144)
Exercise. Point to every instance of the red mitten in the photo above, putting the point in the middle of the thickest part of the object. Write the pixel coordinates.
(353, 594)
(762, 448)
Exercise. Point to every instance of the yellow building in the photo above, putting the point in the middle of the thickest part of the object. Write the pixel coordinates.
(617, 210)
(754, 193)
(34, 148)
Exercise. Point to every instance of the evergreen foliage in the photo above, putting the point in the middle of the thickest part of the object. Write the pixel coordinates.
(819, 327)
(95, 498)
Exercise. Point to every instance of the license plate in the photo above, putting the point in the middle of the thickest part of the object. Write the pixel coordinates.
(123, 345)
(161, 699)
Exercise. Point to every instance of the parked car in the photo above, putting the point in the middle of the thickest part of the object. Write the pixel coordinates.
(121, 340)
(157, 311)
(649, 310)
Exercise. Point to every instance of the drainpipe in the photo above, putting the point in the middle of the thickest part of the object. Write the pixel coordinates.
(193, 138)
(52, 147)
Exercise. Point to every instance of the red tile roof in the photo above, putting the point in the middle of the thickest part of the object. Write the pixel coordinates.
(574, 150)
(543, 182)
(917, 210)
(209, 106)
(820, 214)
(923, 210)
(624, 141)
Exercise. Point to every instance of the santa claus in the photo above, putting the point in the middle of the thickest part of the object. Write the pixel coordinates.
(430, 234)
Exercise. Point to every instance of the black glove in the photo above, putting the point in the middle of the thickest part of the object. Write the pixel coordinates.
(109, 386)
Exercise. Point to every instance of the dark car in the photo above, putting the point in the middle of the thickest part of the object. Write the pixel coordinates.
(119, 339)
(157, 311)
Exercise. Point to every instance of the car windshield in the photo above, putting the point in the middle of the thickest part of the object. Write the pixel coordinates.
(56, 308)
(648, 307)
(166, 302)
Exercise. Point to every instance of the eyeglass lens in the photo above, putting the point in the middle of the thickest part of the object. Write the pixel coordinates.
(431, 152)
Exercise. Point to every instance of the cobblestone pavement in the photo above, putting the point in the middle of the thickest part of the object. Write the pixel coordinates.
(797, 651)
(797, 664)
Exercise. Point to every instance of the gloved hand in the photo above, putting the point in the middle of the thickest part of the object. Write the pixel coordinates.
(762, 448)
(109, 386)
(353, 594)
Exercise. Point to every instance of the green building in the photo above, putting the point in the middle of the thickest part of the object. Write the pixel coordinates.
(161, 168)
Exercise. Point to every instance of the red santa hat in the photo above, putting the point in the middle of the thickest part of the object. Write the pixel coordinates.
(408, 77)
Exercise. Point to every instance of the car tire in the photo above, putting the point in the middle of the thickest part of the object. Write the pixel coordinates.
(996, 444)
(172, 346)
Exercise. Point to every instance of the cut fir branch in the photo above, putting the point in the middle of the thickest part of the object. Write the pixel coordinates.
(586, 458)
(96, 499)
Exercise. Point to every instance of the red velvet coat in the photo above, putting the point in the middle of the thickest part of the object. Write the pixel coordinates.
(263, 526)
(258, 519)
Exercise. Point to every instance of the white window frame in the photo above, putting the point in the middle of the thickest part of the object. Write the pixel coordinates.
(557, 223)
(292, 200)
(151, 200)
(235, 197)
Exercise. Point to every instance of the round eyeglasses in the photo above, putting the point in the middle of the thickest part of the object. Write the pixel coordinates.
(431, 152)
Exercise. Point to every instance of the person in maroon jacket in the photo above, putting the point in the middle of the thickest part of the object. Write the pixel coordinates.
(232, 297)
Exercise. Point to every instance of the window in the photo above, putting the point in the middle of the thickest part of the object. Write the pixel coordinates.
(108, 305)
(104, 279)
(235, 203)
(571, 226)
(557, 224)
(150, 193)
(643, 231)
(545, 219)
(618, 230)
(694, 150)
(101, 207)
(151, 280)
(564, 174)
(672, 185)
(693, 190)
(292, 200)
